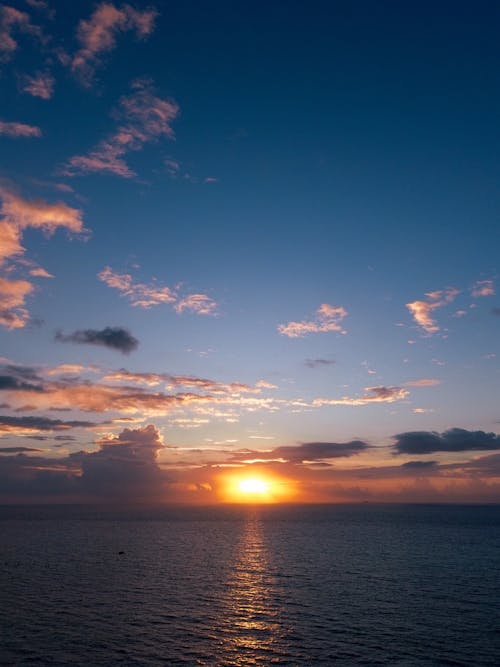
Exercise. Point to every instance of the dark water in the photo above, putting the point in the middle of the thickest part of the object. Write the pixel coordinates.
(339, 585)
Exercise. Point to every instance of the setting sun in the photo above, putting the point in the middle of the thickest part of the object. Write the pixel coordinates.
(256, 488)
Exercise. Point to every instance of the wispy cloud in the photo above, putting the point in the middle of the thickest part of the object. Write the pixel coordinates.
(13, 293)
(19, 130)
(40, 85)
(22, 425)
(114, 338)
(17, 215)
(146, 295)
(327, 318)
(143, 118)
(373, 395)
(483, 288)
(98, 35)
(422, 310)
(201, 304)
(13, 22)
(424, 382)
(316, 363)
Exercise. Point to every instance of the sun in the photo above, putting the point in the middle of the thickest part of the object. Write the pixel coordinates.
(241, 487)
(254, 486)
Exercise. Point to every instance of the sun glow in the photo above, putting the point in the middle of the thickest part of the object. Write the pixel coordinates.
(261, 488)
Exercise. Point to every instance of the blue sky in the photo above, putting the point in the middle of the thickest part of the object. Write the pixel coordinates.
(287, 213)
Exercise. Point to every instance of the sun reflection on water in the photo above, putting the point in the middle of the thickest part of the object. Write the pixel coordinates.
(252, 630)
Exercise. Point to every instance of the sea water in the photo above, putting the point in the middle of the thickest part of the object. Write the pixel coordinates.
(287, 585)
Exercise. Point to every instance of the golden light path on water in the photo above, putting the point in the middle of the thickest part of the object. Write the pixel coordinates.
(253, 629)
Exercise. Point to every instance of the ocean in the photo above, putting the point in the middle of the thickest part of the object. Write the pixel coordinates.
(241, 585)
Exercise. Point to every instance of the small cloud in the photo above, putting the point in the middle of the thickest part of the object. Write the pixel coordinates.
(422, 411)
(146, 295)
(483, 288)
(327, 318)
(19, 130)
(201, 304)
(40, 85)
(374, 395)
(419, 465)
(98, 34)
(424, 382)
(422, 310)
(39, 272)
(115, 338)
(495, 311)
(145, 118)
(13, 293)
(12, 22)
(318, 363)
(21, 425)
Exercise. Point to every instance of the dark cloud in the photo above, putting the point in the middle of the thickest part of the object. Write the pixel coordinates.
(309, 451)
(419, 465)
(124, 467)
(453, 440)
(495, 311)
(314, 363)
(61, 438)
(11, 383)
(116, 338)
(40, 424)
(17, 450)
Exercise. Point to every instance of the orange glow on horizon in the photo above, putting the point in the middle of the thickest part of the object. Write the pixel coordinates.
(258, 487)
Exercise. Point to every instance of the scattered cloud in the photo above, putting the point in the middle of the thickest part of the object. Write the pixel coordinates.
(40, 85)
(97, 35)
(424, 382)
(327, 318)
(145, 295)
(143, 118)
(19, 130)
(317, 363)
(115, 338)
(305, 452)
(13, 293)
(483, 288)
(422, 310)
(14, 22)
(452, 440)
(374, 395)
(201, 304)
(18, 450)
(17, 215)
(21, 425)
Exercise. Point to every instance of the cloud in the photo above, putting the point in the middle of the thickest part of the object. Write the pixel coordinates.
(452, 440)
(116, 338)
(143, 118)
(201, 304)
(424, 382)
(483, 288)
(20, 425)
(40, 85)
(315, 363)
(13, 21)
(146, 295)
(327, 318)
(13, 293)
(378, 394)
(18, 450)
(98, 34)
(17, 215)
(422, 310)
(17, 130)
(141, 295)
(305, 452)
(495, 311)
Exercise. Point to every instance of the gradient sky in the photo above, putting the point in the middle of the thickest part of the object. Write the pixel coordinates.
(249, 238)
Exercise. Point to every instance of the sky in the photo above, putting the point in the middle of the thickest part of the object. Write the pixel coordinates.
(249, 241)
